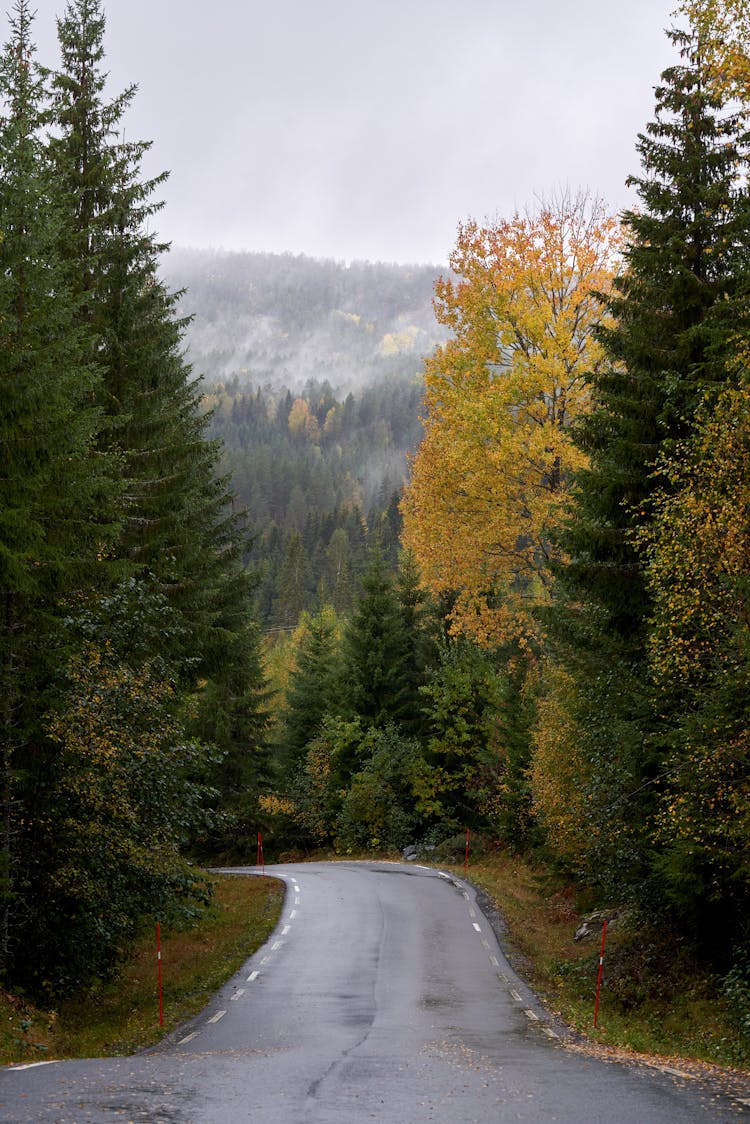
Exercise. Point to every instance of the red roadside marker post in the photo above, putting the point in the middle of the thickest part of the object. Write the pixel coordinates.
(601, 969)
(158, 973)
(260, 859)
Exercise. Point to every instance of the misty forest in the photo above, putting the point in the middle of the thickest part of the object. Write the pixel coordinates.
(360, 556)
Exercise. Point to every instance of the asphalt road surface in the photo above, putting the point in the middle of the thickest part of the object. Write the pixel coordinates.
(384, 996)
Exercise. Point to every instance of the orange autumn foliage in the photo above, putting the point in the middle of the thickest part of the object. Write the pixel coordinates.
(490, 478)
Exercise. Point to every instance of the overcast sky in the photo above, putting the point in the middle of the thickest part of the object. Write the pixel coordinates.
(368, 129)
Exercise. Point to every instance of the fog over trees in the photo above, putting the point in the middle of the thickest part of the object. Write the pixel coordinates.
(283, 319)
(313, 373)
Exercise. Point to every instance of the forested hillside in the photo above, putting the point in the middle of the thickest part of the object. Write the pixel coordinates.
(321, 478)
(313, 373)
(281, 319)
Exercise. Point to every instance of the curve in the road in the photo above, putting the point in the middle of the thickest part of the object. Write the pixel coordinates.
(382, 995)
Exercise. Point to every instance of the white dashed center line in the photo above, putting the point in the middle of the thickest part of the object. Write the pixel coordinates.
(502, 978)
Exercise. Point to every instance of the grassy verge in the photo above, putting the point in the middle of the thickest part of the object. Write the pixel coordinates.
(655, 999)
(123, 1016)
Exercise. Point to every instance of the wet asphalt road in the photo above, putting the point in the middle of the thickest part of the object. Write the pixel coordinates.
(382, 996)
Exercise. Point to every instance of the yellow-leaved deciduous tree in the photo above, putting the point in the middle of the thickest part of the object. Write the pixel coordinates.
(723, 28)
(697, 552)
(697, 548)
(491, 474)
(302, 422)
(559, 772)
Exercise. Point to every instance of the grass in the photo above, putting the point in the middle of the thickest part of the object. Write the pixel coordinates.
(122, 1016)
(655, 999)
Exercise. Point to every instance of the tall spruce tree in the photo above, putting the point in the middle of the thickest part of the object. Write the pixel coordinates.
(177, 520)
(54, 487)
(421, 632)
(376, 652)
(107, 385)
(315, 685)
(668, 347)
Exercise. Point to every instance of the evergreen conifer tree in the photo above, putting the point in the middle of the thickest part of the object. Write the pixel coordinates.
(233, 716)
(315, 686)
(376, 652)
(177, 519)
(421, 630)
(101, 405)
(54, 489)
(668, 347)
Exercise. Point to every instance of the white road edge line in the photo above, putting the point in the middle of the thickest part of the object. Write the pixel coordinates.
(285, 930)
(252, 977)
(530, 1015)
(217, 1016)
(477, 927)
(31, 1065)
(516, 996)
(238, 993)
(189, 1038)
(550, 1032)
